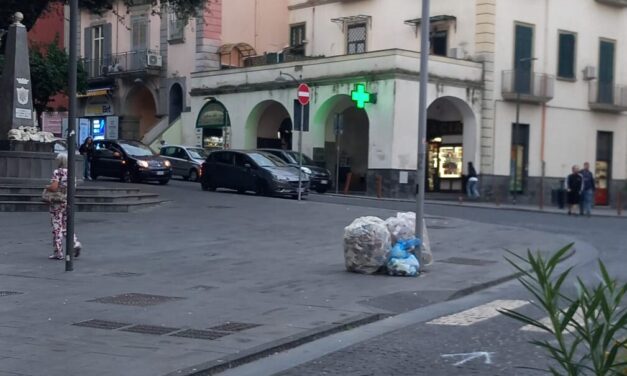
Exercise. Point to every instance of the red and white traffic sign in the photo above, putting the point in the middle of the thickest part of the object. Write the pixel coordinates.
(303, 94)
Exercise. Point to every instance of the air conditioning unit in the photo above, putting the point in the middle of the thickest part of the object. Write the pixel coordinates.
(589, 73)
(154, 60)
(456, 53)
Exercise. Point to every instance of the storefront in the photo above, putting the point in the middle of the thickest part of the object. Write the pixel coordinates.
(445, 163)
(213, 126)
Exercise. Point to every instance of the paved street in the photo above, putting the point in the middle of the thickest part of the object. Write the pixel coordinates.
(160, 276)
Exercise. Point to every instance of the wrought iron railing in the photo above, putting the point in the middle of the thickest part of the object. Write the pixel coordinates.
(531, 86)
(607, 96)
(126, 62)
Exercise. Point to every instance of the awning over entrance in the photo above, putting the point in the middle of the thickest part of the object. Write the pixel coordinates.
(95, 92)
(213, 115)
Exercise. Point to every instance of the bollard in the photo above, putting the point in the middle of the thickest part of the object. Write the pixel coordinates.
(347, 183)
(379, 186)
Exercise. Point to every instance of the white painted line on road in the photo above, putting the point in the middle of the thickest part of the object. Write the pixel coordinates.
(467, 357)
(547, 322)
(478, 314)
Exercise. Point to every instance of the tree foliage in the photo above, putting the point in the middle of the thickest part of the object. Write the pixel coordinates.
(33, 9)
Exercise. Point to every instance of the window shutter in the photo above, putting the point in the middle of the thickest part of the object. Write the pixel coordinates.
(566, 58)
(88, 42)
(108, 36)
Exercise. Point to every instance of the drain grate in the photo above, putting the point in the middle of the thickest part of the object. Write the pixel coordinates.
(123, 274)
(150, 329)
(200, 334)
(468, 261)
(234, 326)
(8, 293)
(101, 324)
(132, 299)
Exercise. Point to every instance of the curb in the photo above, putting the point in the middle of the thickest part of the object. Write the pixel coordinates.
(247, 356)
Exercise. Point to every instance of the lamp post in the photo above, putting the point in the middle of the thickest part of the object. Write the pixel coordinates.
(300, 133)
(71, 137)
(422, 117)
(517, 83)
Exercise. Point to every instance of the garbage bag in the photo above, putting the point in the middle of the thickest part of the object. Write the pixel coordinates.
(426, 257)
(407, 267)
(402, 248)
(400, 228)
(366, 245)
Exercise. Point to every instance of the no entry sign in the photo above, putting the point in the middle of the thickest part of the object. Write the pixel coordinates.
(303, 94)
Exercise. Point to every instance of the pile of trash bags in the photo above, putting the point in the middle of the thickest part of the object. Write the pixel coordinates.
(372, 245)
(29, 134)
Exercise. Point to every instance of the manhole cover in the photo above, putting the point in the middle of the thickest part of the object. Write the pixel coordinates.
(123, 274)
(132, 299)
(467, 261)
(150, 329)
(101, 324)
(7, 293)
(234, 326)
(218, 207)
(200, 334)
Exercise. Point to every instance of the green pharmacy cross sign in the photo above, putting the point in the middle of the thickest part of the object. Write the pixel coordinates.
(360, 96)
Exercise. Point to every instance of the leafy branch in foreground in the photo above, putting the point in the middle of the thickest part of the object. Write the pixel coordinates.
(588, 330)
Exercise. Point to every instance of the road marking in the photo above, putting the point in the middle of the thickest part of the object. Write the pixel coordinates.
(467, 357)
(578, 317)
(478, 314)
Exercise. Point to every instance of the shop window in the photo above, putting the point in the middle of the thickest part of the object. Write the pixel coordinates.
(603, 167)
(566, 55)
(356, 39)
(519, 157)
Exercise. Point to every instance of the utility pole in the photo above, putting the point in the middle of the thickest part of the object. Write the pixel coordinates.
(71, 137)
(422, 117)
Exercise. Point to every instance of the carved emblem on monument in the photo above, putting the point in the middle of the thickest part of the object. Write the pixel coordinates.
(22, 96)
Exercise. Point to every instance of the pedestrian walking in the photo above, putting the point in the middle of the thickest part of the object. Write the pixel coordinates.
(587, 194)
(473, 181)
(574, 187)
(87, 151)
(56, 195)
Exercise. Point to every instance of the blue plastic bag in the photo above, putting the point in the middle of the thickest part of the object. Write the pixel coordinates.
(402, 247)
(407, 267)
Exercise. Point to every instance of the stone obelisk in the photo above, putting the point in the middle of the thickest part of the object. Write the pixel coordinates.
(16, 102)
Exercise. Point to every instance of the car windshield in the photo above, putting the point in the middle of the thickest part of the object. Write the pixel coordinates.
(266, 160)
(137, 149)
(197, 153)
(293, 157)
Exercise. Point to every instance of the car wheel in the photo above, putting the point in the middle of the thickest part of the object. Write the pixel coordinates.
(193, 175)
(262, 188)
(164, 182)
(127, 177)
(321, 190)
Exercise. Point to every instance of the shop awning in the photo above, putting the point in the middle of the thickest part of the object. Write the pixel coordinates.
(95, 93)
(440, 18)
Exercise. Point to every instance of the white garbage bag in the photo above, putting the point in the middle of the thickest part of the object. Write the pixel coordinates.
(366, 245)
(409, 220)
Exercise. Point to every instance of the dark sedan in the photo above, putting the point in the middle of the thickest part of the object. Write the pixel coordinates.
(130, 161)
(320, 178)
(255, 171)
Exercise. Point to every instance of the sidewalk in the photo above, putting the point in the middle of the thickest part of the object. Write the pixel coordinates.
(550, 209)
(211, 277)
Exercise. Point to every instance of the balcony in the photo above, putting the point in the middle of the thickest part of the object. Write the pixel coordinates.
(607, 97)
(527, 86)
(614, 3)
(139, 63)
(277, 58)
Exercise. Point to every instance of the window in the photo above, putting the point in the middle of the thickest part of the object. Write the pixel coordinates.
(223, 158)
(606, 71)
(566, 57)
(168, 152)
(297, 35)
(523, 53)
(356, 38)
(98, 43)
(176, 27)
(139, 31)
(439, 42)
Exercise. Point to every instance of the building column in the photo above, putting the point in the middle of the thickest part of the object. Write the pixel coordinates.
(209, 37)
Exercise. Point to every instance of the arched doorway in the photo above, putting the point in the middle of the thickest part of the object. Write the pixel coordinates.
(346, 132)
(450, 144)
(269, 125)
(142, 109)
(213, 126)
(176, 102)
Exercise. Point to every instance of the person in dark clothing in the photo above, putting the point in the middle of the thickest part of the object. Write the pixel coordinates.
(574, 187)
(87, 151)
(471, 184)
(587, 194)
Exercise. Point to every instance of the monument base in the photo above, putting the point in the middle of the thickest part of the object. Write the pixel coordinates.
(29, 163)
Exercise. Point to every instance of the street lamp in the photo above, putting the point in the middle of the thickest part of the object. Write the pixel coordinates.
(517, 84)
(281, 78)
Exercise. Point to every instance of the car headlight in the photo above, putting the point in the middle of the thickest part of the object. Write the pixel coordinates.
(143, 164)
(167, 163)
(306, 170)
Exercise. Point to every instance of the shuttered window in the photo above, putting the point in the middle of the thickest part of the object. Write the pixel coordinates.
(566, 57)
(523, 53)
(356, 38)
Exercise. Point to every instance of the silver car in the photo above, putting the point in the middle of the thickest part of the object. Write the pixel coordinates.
(186, 160)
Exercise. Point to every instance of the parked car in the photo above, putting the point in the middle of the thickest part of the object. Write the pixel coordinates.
(130, 161)
(186, 160)
(319, 177)
(60, 146)
(257, 171)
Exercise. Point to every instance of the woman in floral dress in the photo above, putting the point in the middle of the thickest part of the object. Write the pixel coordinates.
(58, 210)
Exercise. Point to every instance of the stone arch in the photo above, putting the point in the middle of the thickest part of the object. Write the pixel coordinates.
(175, 102)
(140, 111)
(269, 125)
